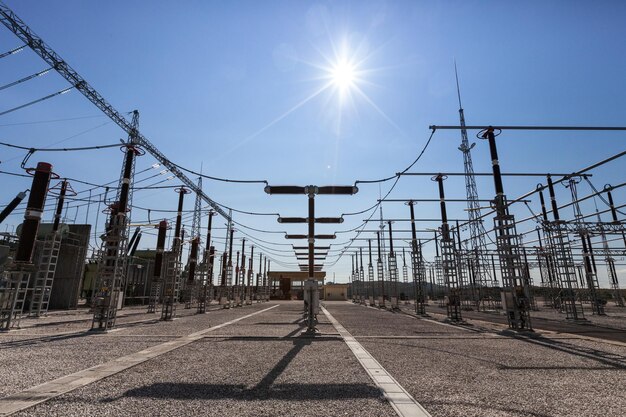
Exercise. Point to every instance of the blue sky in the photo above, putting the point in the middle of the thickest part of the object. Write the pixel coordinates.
(234, 88)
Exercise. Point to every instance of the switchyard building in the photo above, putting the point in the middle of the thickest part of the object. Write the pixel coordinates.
(61, 282)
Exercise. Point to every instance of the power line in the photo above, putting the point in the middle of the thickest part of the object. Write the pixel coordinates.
(39, 100)
(218, 178)
(83, 148)
(29, 77)
(53, 120)
(12, 51)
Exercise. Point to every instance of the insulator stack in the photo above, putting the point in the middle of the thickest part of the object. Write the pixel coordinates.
(12, 205)
(34, 210)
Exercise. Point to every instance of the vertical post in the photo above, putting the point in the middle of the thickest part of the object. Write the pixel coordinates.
(34, 210)
(269, 270)
(179, 214)
(57, 214)
(242, 273)
(250, 273)
(555, 207)
(20, 271)
(266, 281)
(516, 291)
(258, 279)
(544, 213)
(450, 267)
(158, 257)
(362, 278)
(312, 292)
(155, 285)
(211, 263)
(237, 270)
(311, 239)
(351, 280)
(370, 272)
(612, 206)
(173, 272)
(416, 265)
(381, 277)
(393, 270)
(210, 226)
(208, 289)
(229, 271)
(191, 279)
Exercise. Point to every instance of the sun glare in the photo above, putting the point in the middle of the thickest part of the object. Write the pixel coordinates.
(343, 74)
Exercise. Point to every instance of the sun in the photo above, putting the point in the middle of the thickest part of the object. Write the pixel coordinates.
(343, 74)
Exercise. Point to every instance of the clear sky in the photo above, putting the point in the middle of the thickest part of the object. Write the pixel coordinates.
(329, 92)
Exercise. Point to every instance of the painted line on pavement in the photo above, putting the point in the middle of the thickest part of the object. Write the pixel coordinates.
(399, 398)
(48, 390)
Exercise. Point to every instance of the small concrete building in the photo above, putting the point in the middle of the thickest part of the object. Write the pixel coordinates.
(289, 285)
(70, 265)
(336, 292)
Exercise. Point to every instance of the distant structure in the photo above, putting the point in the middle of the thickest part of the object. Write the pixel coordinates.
(477, 230)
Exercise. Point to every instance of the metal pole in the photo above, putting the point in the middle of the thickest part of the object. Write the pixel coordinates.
(311, 241)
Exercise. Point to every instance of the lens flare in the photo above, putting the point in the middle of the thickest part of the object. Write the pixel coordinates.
(343, 74)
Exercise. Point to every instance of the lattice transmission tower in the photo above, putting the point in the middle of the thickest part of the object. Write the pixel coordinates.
(197, 214)
(476, 227)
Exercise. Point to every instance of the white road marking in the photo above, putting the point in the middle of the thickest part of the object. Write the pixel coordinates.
(44, 392)
(401, 401)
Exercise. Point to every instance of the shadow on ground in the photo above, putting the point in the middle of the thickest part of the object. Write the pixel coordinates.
(264, 390)
(283, 392)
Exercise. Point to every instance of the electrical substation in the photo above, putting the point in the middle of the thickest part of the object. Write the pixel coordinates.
(458, 295)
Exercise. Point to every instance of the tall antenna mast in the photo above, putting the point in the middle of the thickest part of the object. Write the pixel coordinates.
(477, 230)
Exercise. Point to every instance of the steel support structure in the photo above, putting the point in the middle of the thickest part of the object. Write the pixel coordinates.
(515, 288)
(380, 273)
(205, 290)
(370, 275)
(449, 261)
(564, 266)
(591, 277)
(405, 278)
(475, 223)
(156, 285)
(610, 261)
(48, 259)
(393, 272)
(173, 264)
(112, 265)
(14, 281)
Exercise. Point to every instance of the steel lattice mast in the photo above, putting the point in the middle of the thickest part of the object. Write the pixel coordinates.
(476, 227)
(197, 214)
(26, 35)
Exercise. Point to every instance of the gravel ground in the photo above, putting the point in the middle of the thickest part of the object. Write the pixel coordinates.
(36, 355)
(30, 361)
(230, 376)
(285, 321)
(260, 367)
(361, 321)
(615, 316)
(498, 376)
(186, 321)
(61, 323)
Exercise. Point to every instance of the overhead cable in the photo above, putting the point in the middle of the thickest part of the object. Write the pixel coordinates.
(12, 51)
(30, 77)
(39, 100)
(209, 177)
